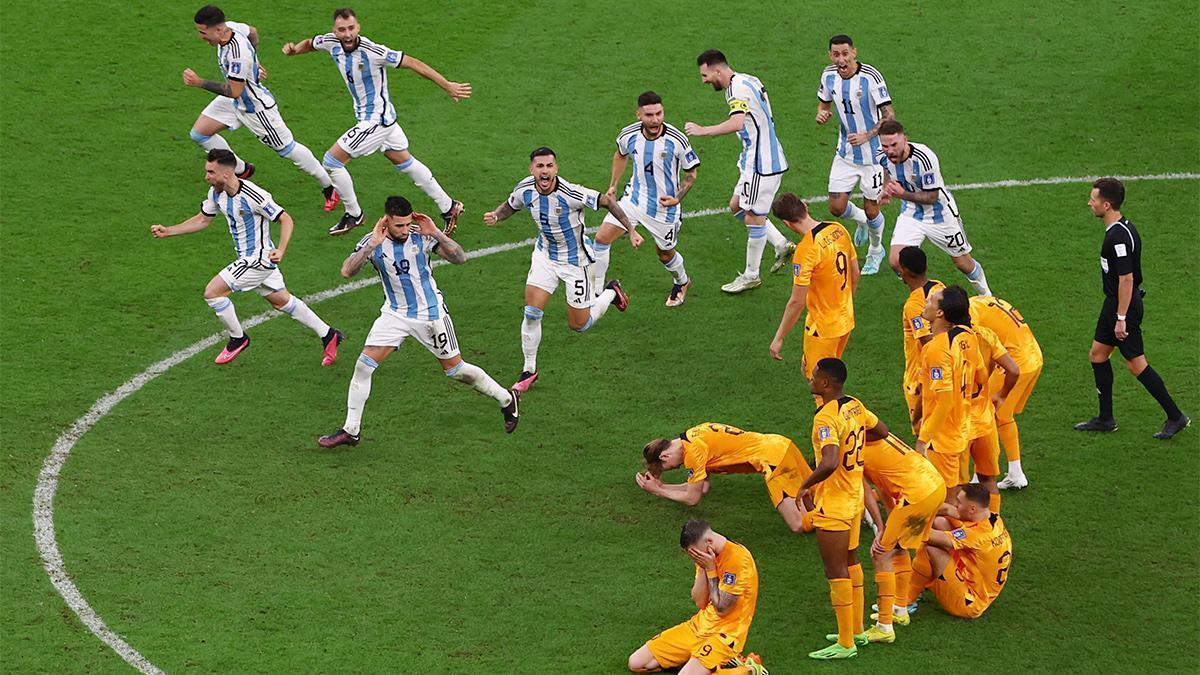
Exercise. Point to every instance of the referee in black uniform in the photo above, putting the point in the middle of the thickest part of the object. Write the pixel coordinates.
(1120, 322)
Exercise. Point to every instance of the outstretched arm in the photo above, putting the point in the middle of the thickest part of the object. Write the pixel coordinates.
(457, 90)
(729, 126)
(294, 48)
(194, 224)
(689, 494)
(619, 162)
(229, 88)
(500, 213)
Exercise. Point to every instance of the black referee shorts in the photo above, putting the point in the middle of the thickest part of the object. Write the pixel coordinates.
(1131, 347)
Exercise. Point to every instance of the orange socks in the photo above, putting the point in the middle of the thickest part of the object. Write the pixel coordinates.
(886, 581)
(922, 574)
(1010, 440)
(902, 566)
(841, 594)
(994, 503)
(856, 584)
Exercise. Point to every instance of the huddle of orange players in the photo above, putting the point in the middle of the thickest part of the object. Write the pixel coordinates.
(970, 366)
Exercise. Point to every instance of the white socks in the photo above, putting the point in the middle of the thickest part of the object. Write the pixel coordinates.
(216, 142)
(1014, 468)
(599, 268)
(304, 160)
(423, 178)
(360, 390)
(483, 383)
(599, 306)
(228, 316)
(343, 183)
(300, 312)
(774, 236)
(853, 212)
(756, 243)
(675, 267)
(978, 280)
(531, 337)
(875, 231)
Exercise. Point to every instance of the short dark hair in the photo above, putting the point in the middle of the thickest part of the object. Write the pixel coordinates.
(648, 98)
(1111, 190)
(890, 127)
(976, 492)
(692, 531)
(397, 206)
(210, 15)
(913, 259)
(834, 369)
(542, 152)
(222, 156)
(344, 13)
(652, 455)
(840, 39)
(711, 57)
(789, 207)
(955, 305)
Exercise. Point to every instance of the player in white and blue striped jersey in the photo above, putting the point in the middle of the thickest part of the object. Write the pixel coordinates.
(401, 248)
(863, 103)
(913, 175)
(562, 252)
(761, 164)
(653, 196)
(242, 100)
(364, 65)
(249, 210)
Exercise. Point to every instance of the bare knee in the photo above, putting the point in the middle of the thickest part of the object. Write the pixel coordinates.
(837, 203)
(642, 661)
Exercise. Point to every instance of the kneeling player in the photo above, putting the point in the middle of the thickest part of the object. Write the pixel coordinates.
(719, 448)
(726, 591)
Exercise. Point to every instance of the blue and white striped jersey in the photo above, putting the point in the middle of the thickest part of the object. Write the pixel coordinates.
(761, 151)
(857, 101)
(239, 61)
(919, 172)
(656, 166)
(559, 218)
(407, 274)
(249, 211)
(364, 69)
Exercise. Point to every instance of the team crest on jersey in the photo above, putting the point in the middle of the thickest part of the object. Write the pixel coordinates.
(796, 269)
(918, 323)
(958, 534)
(728, 578)
(691, 156)
(927, 179)
(235, 68)
(269, 210)
(393, 57)
(824, 433)
(935, 373)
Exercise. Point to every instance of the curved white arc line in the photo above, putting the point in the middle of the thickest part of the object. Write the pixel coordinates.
(47, 484)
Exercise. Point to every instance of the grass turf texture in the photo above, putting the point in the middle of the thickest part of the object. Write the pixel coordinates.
(202, 523)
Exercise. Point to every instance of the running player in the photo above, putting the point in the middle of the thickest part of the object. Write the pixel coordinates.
(399, 247)
(983, 444)
(913, 175)
(715, 448)
(654, 192)
(725, 590)
(249, 211)
(1016, 335)
(863, 104)
(243, 100)
(913, 491)
(913, 272)
(761, 164)
(363, 64)
(562, 254)
(840, 428)
(824, 278)
(966, 560)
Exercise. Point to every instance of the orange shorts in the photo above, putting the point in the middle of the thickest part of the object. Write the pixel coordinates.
(676, 645)
(1017, 398)
(817, 348)
(911, 400)
(785, 479)
(948, 465)
(985, 450)
(908, 524)
(833, 524)
(954, 596)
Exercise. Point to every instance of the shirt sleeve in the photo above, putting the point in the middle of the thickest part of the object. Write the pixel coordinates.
(879, 92)
(920, 327)
(823, 93)
(1121, 261)
(325, 42)
(870, 419)
(964, 538)
(239, 67)
(739, 98)
(382, 55)
(579, 196)
(824, 432)
(268, 207)
(621, 147)
(516, 200)
(738, 577)
(938, 367)
(208, 207)
(687, 156)
(363, 242)
(803, 276)
(695, 460)
(931, 173)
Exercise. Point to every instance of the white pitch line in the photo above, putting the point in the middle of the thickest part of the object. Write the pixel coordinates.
(47, 483)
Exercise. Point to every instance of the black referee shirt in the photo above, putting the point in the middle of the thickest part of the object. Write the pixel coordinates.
(1120, 254)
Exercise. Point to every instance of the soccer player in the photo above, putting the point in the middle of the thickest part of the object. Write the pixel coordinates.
(761, 164)
(863, 104)
(1120, 323)
(654, 193)
(400, 249)
(1017, 337)
(840, 428)
(715, 448)
(363, 64)
(983, 442)
(725, 591)
(824, 278)
(913, 175)
(249, 210)
(917, 331)
(562, 253)
(913, 491)
(242, 100)
(966, 560)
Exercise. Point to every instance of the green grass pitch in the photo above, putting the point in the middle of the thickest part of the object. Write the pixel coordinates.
(205, 527)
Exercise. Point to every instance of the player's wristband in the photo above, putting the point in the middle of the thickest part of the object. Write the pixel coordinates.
(1120, 317)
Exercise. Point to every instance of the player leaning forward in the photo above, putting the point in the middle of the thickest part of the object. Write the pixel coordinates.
(400, 248)
(249, 211)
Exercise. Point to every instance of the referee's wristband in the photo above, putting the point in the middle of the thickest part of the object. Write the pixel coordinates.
(1120, 317)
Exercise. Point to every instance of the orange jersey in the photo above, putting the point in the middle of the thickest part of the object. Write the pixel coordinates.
(1010, 326)
(900, 471)
(981, 557)
(844, 423)
(825, 269)
(947, 380)
(983, 413)
(736, 574)
(718, 448)
(915, 328)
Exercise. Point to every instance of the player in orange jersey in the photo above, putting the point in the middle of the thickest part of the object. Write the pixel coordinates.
(917, 331)
(984, 444)
(715, 448)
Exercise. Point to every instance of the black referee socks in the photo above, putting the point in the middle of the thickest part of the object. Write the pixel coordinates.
(1153, 384)
(1104, 384)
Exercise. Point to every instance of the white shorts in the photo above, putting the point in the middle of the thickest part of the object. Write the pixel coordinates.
(948, 236)
(365, 138)
(755, 193)
(665, 234)
(545, 274)
(247, 274)
(844, 175)
(267, 124)
(390, 329)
